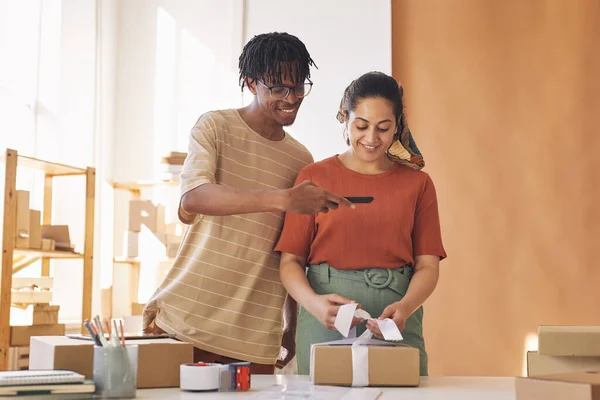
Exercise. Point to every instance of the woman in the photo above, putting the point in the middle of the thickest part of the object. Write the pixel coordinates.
(383, 255)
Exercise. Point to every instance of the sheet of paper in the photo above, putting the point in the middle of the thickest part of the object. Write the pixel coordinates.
(306, 390)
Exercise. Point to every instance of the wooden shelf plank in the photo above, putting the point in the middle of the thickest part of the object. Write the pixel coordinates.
(47, 253)
(139, 185)
(48, 167)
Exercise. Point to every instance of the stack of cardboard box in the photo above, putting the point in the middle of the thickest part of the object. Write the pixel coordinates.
(45, 323)
(566, 365)
(31, 234)
(565, 349)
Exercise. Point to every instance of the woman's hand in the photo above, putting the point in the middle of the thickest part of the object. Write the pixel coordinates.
(325, 308)
(397, 311)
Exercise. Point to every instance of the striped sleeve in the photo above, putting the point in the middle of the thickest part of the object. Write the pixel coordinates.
(200, 164)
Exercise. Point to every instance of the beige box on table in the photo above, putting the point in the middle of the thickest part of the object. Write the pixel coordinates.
(542, 364)
(22, 225)
(388, 364)
(574, 386)
(556, 340)
(144, 212)
(158, 359)
(35, 229)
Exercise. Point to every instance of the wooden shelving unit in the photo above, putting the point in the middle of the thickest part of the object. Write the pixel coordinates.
(135, 190)
(15, 259)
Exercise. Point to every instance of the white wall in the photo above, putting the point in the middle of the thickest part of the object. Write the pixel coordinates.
(345, 39)
(177, 59)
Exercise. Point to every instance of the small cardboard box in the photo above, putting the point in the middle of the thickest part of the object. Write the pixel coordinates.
(541, 364)
(388, 364)
(144, 212)
(48, 244)
(574, 386)
(44, 314)
(569, 340)
(60, 235)
(20, 335)
(22, 225)
(158, 359)
(35, 229)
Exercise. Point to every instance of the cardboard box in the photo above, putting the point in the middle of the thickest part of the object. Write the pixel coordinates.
(541, 364)
(569, 341)
(31, 297)
(574, 386)
(22, 225)
(60, 235)
(47, 244)
(158, 359)
(20, 335)
(44, 314)
(35, 229)
(389, 364)
(144, 212)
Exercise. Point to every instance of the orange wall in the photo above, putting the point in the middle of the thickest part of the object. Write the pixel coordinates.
(503, 98)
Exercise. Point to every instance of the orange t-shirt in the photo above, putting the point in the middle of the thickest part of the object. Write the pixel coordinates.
(400, 223)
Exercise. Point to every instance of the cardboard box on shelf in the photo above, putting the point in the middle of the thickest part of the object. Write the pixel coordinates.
(144, 212)
(388, 364)
(567, 340)
(60, 235)
(44, 314)
(20, 335)
(48, 245)
(574, 386)
(158, 359)
(22, 225)
(30, 296)
(35, 229)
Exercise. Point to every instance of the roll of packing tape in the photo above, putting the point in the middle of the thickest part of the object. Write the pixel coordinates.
(208, 376)
(201, 376)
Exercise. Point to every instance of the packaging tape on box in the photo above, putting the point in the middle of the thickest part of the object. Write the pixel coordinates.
(211, 377)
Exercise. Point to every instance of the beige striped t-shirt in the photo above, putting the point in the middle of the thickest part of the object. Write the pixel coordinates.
(223, 293)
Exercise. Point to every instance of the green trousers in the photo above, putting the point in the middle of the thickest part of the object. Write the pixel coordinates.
(374, 289)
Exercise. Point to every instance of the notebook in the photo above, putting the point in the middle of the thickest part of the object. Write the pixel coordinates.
(39, 377)
(59, 390)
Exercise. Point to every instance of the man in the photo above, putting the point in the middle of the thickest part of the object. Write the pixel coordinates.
(223, 293)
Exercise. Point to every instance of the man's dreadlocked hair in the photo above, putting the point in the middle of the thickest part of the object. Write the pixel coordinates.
(265, 54)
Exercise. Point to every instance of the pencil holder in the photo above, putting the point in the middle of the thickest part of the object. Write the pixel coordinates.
(115, 371)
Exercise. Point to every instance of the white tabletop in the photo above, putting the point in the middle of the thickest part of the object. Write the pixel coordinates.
(431, 388)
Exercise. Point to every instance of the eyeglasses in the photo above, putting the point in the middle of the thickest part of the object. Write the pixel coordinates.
(282, 92)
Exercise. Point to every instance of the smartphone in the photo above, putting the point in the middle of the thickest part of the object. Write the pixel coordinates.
(360, 200)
